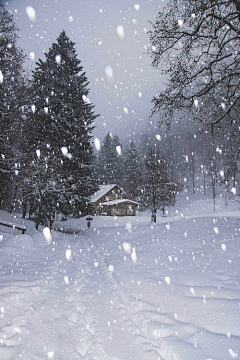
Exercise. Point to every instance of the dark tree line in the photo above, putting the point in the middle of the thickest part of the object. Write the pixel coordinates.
(143, 171)
(46, 121)
(159, 165)
(12, 93)
(47, 162)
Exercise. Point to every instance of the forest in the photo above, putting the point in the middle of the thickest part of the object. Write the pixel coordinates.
(50, 162)
(119, 186)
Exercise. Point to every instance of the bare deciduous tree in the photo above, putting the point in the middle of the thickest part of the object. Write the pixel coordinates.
(196, 44)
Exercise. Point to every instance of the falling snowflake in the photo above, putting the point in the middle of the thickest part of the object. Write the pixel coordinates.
(119, 149)
(70, 19)
(127, 247)
(192, 290)
(224, 247)
(109, 72)
(47, 234)
(50, 355)
(68, 254)
(134, 255)
(32, 56)
(66, 279)
(97, 144)
(216, 230)
(64, 150)
(232, 353)
(137, 7)
(120, 31)
(111, 268)
(167, 280)
(196, 103)
(31, 13)
(58, 59)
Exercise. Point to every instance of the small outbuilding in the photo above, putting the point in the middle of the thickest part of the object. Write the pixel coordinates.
(111, 200)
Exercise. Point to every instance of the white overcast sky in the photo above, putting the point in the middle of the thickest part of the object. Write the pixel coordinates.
(124, 100)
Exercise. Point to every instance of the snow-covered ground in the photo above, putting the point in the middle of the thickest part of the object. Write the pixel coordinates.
(125, 288)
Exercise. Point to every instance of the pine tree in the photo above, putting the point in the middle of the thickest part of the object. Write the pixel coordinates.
(104, 166)
(109, 164)
(12, 91)
(62, 120)
(117, 161)
(132, 171)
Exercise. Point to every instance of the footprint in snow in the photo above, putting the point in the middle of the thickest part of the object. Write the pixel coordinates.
(81, 309)
(70, 298)
(82, 349)
(91, 329)
(73, 317)
(84, 342)
(90, 296)
(56, 314)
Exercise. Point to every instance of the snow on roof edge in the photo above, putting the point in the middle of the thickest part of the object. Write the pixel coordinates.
(118, 201)
(103, 189)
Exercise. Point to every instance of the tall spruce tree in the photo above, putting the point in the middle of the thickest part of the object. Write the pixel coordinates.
(132, 171)
(62, 120)
(109, 164)
(117, 161)
(12, 91)
(104, 166)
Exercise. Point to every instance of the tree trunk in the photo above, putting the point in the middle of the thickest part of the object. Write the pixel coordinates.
(24, 213)
(204, 183)
(14, 198)
(193, 174)
(31, 208)
(154, 216)
(214, 189)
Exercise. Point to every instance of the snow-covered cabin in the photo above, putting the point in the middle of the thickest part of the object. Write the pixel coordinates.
(112, 200)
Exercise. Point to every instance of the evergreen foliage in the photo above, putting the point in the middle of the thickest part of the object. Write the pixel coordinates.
(46, 153)
(61, 123)
(117, 161)
(12, 91)
(109, 165)
(132, 172)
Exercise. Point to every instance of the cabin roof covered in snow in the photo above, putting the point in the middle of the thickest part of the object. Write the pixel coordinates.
(103, 189)
(118, 201)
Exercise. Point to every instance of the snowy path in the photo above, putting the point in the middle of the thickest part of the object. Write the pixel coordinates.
(71, 309)
(84, 296)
